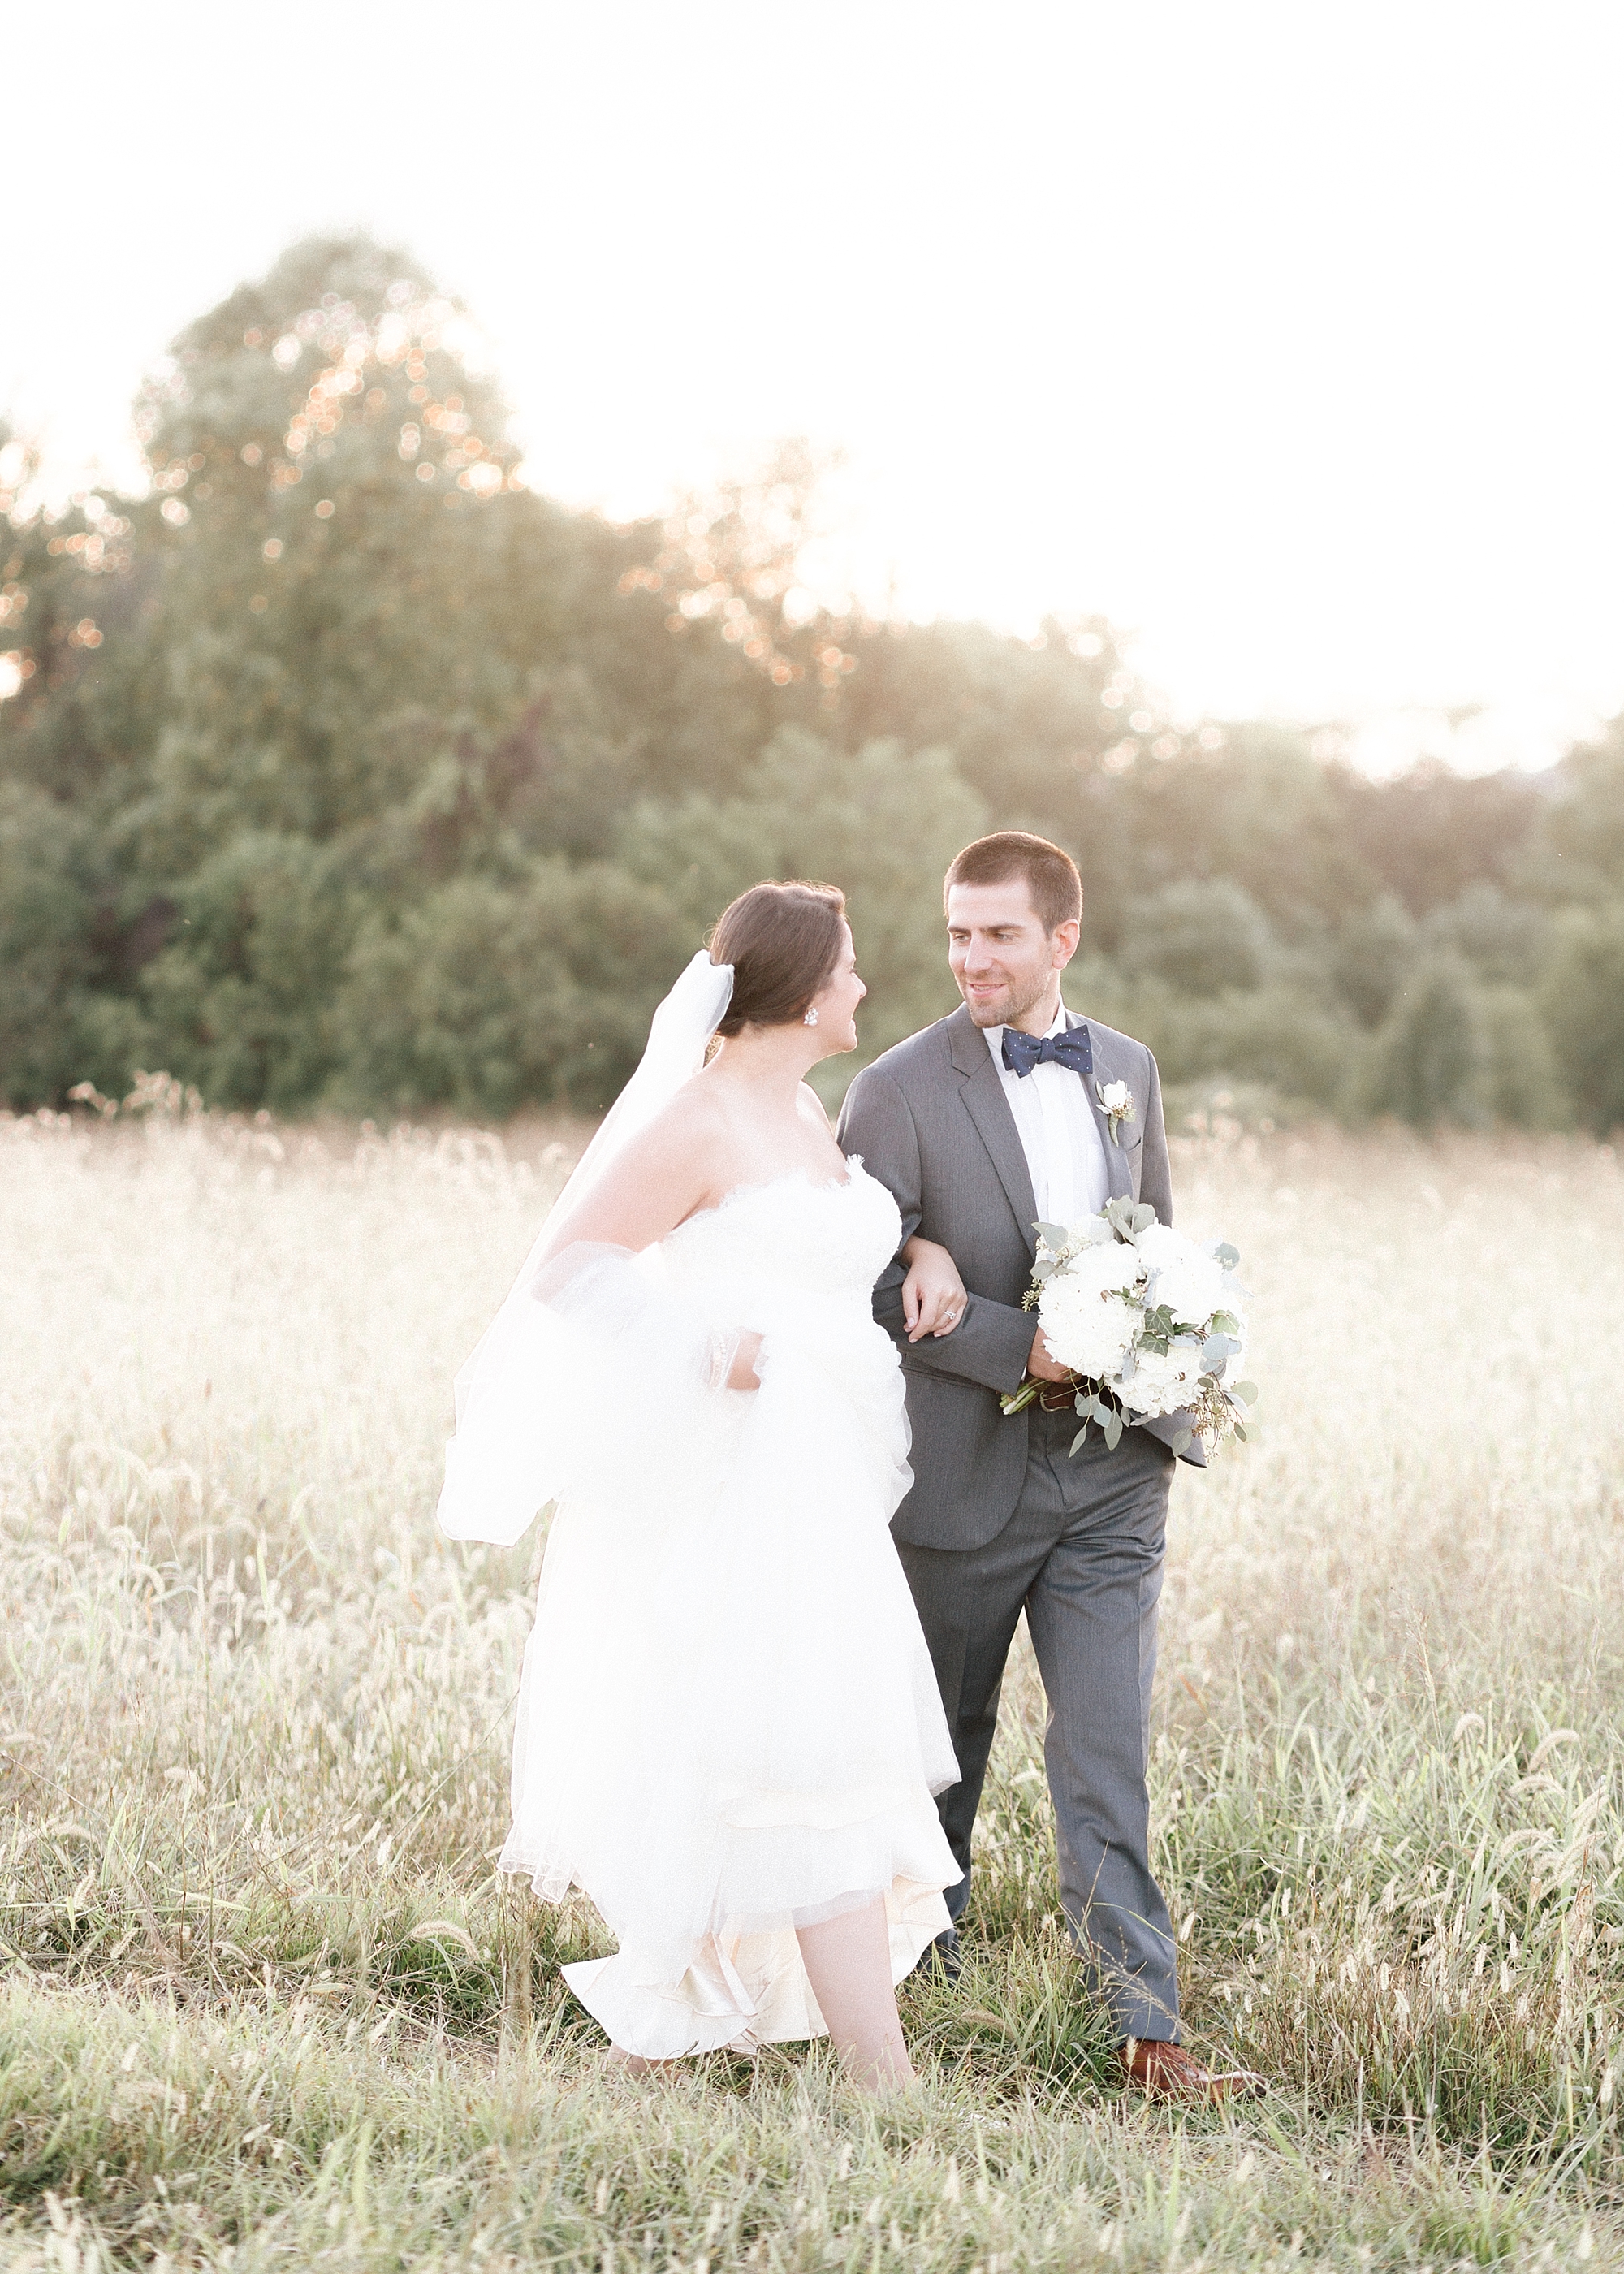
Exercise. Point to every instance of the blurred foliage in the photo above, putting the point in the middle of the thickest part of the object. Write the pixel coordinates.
(1584, 1005)
(1372, 948)
(336, 767)
(1201, 936)
(1430, 1056)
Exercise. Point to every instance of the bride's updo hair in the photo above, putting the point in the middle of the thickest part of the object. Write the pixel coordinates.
(783, 941)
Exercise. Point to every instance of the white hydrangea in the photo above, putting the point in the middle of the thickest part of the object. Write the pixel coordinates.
(1086, 1322)
(1161, 1385)
(1091, 1337)
(1189, 1280)
(1111, 1267)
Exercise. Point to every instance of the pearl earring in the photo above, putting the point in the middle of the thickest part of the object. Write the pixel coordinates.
(811, 1018)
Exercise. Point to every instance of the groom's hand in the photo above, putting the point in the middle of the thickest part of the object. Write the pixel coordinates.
(1041, 1366)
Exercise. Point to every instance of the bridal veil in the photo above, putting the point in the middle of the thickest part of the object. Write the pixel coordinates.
(579, 1326)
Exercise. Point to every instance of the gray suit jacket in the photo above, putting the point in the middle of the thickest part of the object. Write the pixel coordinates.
(931, 1121)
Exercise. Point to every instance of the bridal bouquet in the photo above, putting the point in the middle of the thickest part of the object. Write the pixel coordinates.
(1149, 1322)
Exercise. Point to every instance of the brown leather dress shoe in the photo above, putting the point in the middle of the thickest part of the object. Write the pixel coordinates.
(1167, 2072)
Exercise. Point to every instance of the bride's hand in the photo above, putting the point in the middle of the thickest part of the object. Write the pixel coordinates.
(742, 1374)
(933, 1293)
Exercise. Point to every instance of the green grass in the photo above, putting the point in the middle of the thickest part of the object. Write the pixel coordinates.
(264, 2003)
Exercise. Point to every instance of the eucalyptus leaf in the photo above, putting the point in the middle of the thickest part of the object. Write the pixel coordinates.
(1112, 1426)
(1226, 1255)
(1052, 1235)
(1143, 1216)
(1077, 1442)
(1240, 1431)
(1183, 1441)
(1246, 1390)
(1216, 1352)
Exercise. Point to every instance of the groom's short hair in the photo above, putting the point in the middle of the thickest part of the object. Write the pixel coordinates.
(1050, 873)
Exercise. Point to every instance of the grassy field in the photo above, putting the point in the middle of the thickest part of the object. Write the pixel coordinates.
(263, 2004)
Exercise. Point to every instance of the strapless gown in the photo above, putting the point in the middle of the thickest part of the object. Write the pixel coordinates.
(728, 1726)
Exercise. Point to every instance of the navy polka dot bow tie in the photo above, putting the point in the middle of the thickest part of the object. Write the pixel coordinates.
(1022, 1052)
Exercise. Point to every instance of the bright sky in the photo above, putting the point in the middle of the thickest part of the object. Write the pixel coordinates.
(1288, 335)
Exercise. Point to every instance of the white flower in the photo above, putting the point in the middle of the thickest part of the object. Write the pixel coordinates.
(1184, 1278)
(1107, 1267)
(1086, 1329)
(1085, 1320)
(1161, 1385)
(1117, 1099)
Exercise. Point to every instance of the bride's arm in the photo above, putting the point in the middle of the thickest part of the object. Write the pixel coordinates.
(933, 1293)
(653, 1184)
(648, 1188)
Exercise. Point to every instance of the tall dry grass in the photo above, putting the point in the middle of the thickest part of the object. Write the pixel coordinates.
(264, 2005)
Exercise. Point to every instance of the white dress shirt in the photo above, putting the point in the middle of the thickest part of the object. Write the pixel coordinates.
(1058, 1133)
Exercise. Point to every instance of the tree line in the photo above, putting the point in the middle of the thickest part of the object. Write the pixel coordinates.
(338, 768)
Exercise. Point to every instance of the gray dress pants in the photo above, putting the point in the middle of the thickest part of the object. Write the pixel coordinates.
(1083, 1555)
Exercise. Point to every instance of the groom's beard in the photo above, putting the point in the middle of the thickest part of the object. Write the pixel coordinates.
(1013, 1004)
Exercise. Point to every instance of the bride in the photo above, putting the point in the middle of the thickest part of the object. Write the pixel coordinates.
(729, 1733)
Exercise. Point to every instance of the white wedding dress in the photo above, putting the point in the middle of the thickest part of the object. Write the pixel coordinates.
(728, 1724)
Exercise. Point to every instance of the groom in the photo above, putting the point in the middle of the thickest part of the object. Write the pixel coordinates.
(981, 1126)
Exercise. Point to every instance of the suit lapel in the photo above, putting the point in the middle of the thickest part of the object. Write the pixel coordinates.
(988, 1107)
(1118, 1171)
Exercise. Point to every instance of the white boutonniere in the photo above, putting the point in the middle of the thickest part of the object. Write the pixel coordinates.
(1116, 1100)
